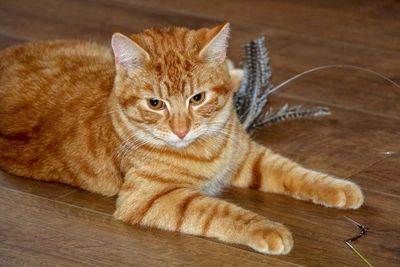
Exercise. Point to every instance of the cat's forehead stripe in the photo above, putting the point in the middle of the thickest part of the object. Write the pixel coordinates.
(183, 86)
(165, 89)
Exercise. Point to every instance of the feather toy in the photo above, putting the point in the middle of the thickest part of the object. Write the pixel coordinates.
(255, 88)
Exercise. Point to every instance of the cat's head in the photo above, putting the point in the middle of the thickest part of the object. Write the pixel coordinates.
(172, 85)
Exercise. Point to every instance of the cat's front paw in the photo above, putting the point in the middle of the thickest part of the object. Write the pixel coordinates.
(271, 239)
(341, 194)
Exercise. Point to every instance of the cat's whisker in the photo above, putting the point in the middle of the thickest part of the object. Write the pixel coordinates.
(220, 133)
(209, 142)
(123, 146)
(131, 147)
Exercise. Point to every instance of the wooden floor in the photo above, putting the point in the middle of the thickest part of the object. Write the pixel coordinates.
(47, 224)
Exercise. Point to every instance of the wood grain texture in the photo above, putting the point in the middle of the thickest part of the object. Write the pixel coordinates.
(76, 226)
(320, 232)
(342, 144)
(47, 190)
(291, 51)
(382, 176)
(90, 238)
(6, 41)
(337, 20)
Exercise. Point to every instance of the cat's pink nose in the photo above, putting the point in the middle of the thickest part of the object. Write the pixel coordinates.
(181, 134)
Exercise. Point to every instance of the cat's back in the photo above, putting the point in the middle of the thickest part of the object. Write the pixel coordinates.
(40, 79)
(53, 97)
(47, 66)
(35, 53)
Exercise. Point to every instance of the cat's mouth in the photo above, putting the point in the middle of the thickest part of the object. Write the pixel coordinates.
(171, 140)
(180, 143)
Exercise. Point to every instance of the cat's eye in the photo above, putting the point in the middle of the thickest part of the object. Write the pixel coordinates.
(155, 104)
(198, 99)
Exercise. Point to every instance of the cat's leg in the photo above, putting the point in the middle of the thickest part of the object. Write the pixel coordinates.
(175, 207)
(261, 169)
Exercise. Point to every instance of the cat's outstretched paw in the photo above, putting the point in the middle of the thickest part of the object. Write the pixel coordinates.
(341, 194)
(275, 240)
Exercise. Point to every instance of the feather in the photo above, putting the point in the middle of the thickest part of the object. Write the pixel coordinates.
(286, 112)
(252, 97)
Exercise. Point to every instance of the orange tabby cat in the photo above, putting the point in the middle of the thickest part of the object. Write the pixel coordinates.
(155, 125)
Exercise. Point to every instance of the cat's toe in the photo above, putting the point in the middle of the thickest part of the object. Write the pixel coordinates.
(276, 241)
(343, 195)
(354, 196)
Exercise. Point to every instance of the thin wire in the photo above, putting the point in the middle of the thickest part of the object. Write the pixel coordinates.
(364, 260)
(331, 67)
(363, 230)
(348, 242)
(389, 153)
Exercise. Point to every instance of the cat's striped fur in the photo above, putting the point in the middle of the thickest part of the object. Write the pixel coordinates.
(69, 114)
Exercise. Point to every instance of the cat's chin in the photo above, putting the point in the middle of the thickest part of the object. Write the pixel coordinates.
(180, 144)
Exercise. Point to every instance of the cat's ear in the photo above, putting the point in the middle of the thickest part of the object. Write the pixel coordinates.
(215, 49)
(128, 54)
